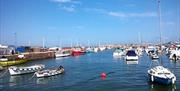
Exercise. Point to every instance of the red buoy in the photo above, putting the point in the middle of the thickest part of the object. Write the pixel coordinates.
(103, 76)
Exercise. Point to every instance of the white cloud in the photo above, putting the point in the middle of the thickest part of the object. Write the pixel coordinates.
(68, 9)
(116, 14)
(144, 14)
(62, 1)
(168, 23)
(124, 15)
(67, 1)
(121, 14)
(67, 5)
(98, 10)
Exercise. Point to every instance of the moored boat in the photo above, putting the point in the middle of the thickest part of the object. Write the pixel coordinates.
(154, 56)
(161, 75)
(89, 50)
(102, 48)
(131, 55)
(13, 70)
(96, 49)
(175, 54)
(3, 58)
(49, 72)
(77, 51)
(63, 53)
(118, 52)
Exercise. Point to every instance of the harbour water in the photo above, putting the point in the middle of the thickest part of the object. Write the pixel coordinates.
(82, 73)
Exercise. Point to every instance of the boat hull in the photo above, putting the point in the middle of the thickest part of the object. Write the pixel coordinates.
(77, 53)
(62, 55)
(24, 70)
(48, 73)
(154, 58)
(117, 54)
(131, 58)
(13, 62)
(159, 80)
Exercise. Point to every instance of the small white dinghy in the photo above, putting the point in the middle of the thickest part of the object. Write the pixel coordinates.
(154, 56)
(14, 70)
(50, 72)
(161, 75)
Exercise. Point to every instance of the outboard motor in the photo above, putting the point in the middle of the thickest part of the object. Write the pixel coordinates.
(60, 67)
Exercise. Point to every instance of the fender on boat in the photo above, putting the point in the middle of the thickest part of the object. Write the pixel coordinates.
(152, 78)
(173, 80)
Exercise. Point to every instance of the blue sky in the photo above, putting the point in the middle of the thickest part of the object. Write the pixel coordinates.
(68, 22)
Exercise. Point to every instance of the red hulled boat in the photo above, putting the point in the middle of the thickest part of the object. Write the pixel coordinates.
(77, 51)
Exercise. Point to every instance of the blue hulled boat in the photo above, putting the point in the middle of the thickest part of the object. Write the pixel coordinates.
(161, 75)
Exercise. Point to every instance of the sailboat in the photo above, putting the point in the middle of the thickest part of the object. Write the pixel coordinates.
(160, 74)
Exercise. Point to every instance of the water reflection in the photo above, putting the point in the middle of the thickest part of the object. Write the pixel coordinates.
(175, 61)
(42, 80)
(132, 62)
(159, 87)
(61, 58)
(83, 73)
(46, 80)
(19, 79)
(155, 60)
(117, 57)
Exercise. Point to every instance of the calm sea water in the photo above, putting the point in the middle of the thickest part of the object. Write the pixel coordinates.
(83, 74)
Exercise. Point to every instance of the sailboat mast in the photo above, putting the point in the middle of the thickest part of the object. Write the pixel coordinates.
(15, 41)
(43, 40)
(160, 25)
(139, 37)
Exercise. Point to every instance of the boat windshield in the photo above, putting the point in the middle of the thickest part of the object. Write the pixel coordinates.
(163, 73)
(131, 53)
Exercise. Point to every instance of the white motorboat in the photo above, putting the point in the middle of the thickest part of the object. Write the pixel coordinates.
(175, 54)
(102, 48)
(3, 58)
(50, 72)
(161, 75)
(118, 53)
(14, 70)
(63, 53)
(96, 49)
(131, 55)
(89, 50)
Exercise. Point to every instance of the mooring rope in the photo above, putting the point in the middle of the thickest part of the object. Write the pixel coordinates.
(32, 77)
(4, 73)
